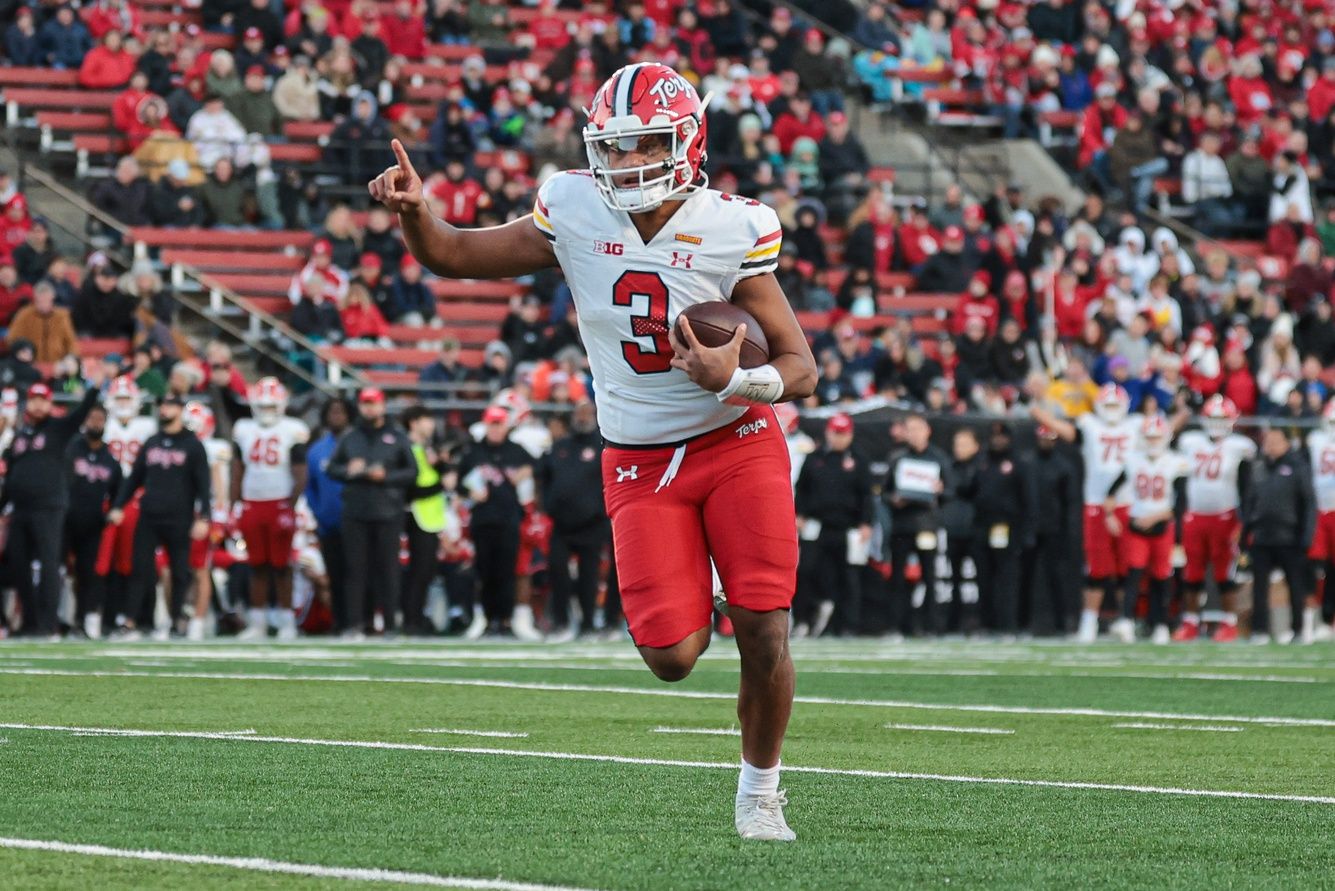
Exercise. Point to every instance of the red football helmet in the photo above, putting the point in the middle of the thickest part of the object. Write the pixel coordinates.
(268, 400)
(1154, 434)
(124, 398)
(198, 419)
(646, 137)
(1112, 403)
(1218, 416)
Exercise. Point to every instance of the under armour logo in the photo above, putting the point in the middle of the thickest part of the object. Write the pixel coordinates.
(680, 259)
(630, 473)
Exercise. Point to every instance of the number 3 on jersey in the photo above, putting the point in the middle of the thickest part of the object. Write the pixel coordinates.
(651, 324)
(264, 451)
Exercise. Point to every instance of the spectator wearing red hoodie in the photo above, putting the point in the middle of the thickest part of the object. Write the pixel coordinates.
(112, 15)
(1284, 236)
(320, 269)
(108, 65)
(548, 28)
(13, 293)
(1100, 122)
(404, 32)
(977, 303)
(14, 226)
(918, 239)
(1016, 302)
(798, 121)
(1250, 92)
(1069, 304)
(361, 320)
(1321, 94)
(125, 110)
(1238, 383)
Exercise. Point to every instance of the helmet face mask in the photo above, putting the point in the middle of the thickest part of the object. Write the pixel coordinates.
(124, 399)
(268, 401)
(198, 419)
(1112, 404)
(652, 114)
(1218, 416)
(1154, 435)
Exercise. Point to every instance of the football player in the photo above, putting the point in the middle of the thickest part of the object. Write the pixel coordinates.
(199, 420)
(1152, 475)
(268, 476)
(126, 432)
(695, 464)
(1211, 526)
(1106, 437)
(1321, 451)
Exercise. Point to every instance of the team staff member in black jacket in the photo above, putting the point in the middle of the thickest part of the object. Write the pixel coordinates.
(95, 481)
(491, 473)
(37, 485)
(570, 480)
(1278, 518)
(918, 482)
(1045, 564)
(833, 497)
(961, 545)
(173, 470)
(375, 461)
(1005, 502)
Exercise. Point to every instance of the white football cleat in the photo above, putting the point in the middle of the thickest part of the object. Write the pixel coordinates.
(92, 625)
(1124, 630)
(1284, 637)
(257, 625)
(478, 627)
(800, 631)
(161, 635)
(1260, 638)
(287, 625)
(565, 635)
(1160, 637)
(1323, 633)
(521, 623)
(194, 630)
(760, 817)
(1089, 628)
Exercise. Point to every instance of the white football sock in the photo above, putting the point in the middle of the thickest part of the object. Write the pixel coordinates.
(1191, 619)
(1230, 618)
(1089, 618)
(758, 780)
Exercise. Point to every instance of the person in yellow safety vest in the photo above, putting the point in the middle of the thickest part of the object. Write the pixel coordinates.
(426, 519)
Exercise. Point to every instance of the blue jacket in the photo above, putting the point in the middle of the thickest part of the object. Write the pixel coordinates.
(324, 495)
(64, 47)
(22, 49)
(406, 298)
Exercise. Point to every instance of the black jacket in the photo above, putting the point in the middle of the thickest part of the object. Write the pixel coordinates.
(1004, 492)
(173, 471)
(95, 479)
(38, 467)
(1279, 507)
(835, 488)
(1055, 478)
(911, 517)
(957, 514)
(570, 478)
(387, 446)
(493, 463)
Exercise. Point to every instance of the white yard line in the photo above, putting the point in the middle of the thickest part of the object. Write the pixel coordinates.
(1203, 728)
(491, 734)
(681, 694)
(666, 762)
(261, 864)
(945, 728)
(699, 731)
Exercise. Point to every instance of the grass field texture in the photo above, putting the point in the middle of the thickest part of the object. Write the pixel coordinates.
(506, 767)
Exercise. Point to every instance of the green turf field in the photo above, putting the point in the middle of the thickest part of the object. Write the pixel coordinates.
(1185, 766)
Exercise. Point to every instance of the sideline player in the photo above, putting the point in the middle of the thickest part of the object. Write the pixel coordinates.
(1321, 452)
(127, 431)
(1152, 473)
(1211, 526)
(1106, 438)
(695, 465)
(199, 420)
(268, 476)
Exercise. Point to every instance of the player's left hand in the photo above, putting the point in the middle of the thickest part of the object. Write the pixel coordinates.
(375, 473)
(710, 368)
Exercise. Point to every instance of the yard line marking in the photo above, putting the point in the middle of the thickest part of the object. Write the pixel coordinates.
(262, 864)
(1204, 728)
(945, 728)
(1057, 711)
(494, 734)
(700, 731)
(711, 765)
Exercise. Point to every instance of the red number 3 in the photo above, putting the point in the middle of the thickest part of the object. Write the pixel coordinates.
(651, 324)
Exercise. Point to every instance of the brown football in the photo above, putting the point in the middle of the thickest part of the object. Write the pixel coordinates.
(714, 324)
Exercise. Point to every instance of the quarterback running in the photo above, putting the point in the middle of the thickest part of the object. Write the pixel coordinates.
(696, 465)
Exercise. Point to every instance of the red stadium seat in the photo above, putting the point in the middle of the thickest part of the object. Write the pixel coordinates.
(251, 282)
(222, 261)
(450, 52)
(307, 131)
(476, 289)
(274, 306)
(167, 18)
(455, 312)
(38, 77)
(296, 152)
(97, 347)
(358, 356)
(211, 239)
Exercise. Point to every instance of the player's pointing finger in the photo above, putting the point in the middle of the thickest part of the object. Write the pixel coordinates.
(401, 154)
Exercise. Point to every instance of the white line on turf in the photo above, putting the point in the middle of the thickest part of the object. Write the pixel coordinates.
(261, 864)
(700, 731)
(945, 728)
(712, 765)
(1204, 728)
(450, 731)
(1056, 711)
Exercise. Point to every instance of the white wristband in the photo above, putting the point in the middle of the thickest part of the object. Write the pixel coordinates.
(763, 385)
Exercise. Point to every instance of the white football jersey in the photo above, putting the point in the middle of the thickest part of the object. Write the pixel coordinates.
(266, 453)
(1105, 448)
(1150, 481)
(124, 439)
(1321, 448)
(219, 452)
(1212, 487)
(628, 294)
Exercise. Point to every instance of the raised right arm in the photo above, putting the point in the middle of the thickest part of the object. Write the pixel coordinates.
(516, 248)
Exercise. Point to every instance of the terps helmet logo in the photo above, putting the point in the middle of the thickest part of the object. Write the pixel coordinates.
(614, 248)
